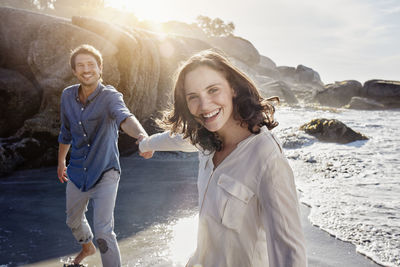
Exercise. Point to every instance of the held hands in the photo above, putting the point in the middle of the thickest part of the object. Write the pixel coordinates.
(62, 172)
(147, 154)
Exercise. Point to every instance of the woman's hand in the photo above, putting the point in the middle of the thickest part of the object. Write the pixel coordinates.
(147, 154)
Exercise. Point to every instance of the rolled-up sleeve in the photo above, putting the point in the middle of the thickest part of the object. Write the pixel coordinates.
(65, 133)
(280, 214)
(117, 108)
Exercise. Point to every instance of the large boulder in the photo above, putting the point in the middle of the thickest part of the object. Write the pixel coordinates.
(237, 47)
(280, 89)
(305, 74)
(363, 103)
(301, 74)
(266, 67)
(287, 73)
(332, 131)
(17, 30)
(266, 62)
(20, 98)
(386, 92)
(338, 94)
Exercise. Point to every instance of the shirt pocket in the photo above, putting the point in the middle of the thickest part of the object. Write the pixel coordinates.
(92, 125)
(238, 196)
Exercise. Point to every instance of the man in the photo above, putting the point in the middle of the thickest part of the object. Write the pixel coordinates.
(91, 115)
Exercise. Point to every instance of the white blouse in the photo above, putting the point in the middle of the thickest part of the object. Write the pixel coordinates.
(249, 211)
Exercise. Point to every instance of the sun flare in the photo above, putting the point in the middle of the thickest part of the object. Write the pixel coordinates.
(153, 10)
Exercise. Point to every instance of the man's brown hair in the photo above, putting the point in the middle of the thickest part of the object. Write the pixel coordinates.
(88, 50)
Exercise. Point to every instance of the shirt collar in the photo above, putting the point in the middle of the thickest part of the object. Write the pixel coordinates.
(98, 89)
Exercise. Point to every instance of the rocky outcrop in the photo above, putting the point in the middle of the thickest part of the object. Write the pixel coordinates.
(338, 94)
(280, 89)
(236, 47)
(363, 103)
(287, 73)
(20, 98)
(383, 91)
(305, 74)
(301, 74)
(332, 131)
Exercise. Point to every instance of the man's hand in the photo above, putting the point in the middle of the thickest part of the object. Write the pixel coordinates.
(62, 172)
(147, 154)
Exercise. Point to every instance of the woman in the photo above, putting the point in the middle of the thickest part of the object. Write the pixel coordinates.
(249, 214)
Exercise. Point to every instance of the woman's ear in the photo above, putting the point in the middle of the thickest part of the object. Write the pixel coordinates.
(233, 92)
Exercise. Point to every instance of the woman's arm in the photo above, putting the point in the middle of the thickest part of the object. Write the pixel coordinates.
(166, 142)
(280, 214)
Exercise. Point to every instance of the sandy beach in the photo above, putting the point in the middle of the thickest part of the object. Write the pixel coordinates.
(155, 218)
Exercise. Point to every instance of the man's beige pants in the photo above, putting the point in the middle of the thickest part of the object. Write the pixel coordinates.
(103, 196)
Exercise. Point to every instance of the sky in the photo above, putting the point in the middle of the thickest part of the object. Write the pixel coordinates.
(340, 39)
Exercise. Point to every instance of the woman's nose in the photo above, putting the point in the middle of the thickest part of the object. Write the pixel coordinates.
(204, 103)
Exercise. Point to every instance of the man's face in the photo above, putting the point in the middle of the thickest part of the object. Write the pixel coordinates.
(86, 70)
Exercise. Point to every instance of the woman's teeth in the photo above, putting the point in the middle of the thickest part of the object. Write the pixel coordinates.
(211, 114)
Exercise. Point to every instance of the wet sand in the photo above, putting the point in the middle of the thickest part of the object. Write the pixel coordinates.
(152, 196)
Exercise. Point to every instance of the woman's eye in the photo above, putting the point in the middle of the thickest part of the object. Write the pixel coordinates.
(213, 90)
(191, 97)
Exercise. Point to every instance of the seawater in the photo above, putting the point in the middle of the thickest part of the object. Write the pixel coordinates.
(353, 189)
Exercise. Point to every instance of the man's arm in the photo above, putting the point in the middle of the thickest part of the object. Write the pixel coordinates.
(132, 127)
(61, 169)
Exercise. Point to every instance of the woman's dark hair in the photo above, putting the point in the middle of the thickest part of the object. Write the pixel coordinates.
(248, 106)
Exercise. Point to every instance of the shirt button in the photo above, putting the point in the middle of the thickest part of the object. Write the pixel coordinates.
(80, 123)
(84, 135)
(82, 108)
(88, 145)
(84, 169)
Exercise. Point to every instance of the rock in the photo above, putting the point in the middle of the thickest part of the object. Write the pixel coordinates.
(260, 79)
(266, 62)
(20, 98)
(386, 92)
(305, 92)
(25, 153)
(287, 73)
(305, 74)
(273, 73)
(364, 103)
(338, 94)
(237, 47)
(332, 131)
(301, 74)
(17, 30)
(280, 89)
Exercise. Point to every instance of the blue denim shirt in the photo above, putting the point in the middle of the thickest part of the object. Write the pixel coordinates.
(92, 131)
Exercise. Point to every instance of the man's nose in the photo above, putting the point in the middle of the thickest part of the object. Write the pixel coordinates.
(86, 68)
